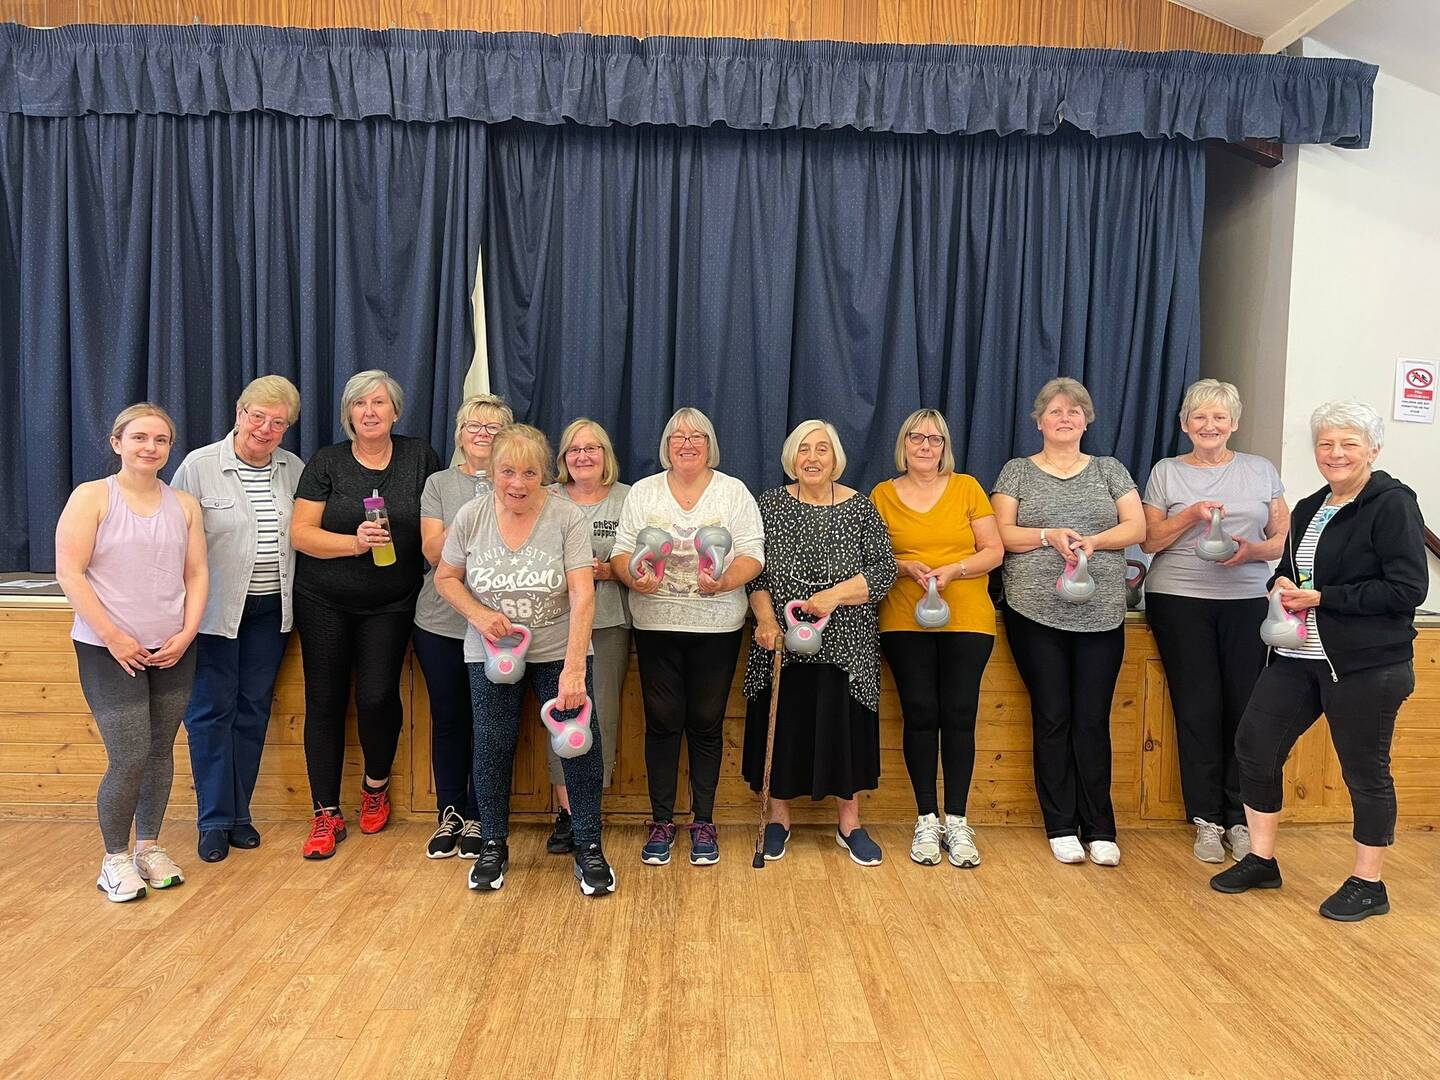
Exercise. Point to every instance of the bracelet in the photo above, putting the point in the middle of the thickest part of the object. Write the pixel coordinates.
(962, 568)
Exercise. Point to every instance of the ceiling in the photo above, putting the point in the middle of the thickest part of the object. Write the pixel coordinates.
(1277, 22)
(1402, 36)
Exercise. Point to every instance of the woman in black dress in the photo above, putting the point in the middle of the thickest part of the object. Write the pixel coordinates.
(826, 546)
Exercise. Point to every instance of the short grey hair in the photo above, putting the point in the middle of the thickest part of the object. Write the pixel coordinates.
(1210, 392)
(1348, 416)
(1067, 387)
(271, 390)
(691, 418)
(791, 449)
(360, 384)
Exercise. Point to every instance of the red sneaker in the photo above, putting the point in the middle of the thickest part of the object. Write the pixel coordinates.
(374, 809)
(326, 830)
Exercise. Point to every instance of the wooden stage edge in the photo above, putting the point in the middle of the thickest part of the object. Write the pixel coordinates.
(51, 756)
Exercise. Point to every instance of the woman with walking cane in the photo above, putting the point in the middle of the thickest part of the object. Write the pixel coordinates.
(815, 607)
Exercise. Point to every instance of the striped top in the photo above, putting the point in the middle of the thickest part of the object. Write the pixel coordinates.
(265, 577)
(1313, 649)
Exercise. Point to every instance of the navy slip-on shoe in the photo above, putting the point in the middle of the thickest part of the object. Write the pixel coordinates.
(776, 837)
(214, 845)
(862, 849)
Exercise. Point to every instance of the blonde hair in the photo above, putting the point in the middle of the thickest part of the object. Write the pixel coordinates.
(693, 418)
(476, 402)
(1210, 392)
(914, 420)
(135, 412)
(791, 449)
(361, 384)
(523, 445)
(609, 472)
(271, 390)
(1067, 387)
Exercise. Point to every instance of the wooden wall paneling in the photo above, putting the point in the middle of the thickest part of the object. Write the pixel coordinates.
(862, 22)
(798, 24)
(1004, 22)
(887, 21)
(562, 16)
(1134, 24)
(1092, 25)
(953, 21)
(733, 18)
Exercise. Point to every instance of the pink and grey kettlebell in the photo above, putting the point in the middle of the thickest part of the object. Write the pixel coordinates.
(713, 544)
(505, 659)
(1075, 583)
(652, 546)
(568, 738)
(802, 637)
(1283, 629)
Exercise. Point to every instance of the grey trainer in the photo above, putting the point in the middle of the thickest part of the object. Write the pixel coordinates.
(1209, 841)
(1238, 837)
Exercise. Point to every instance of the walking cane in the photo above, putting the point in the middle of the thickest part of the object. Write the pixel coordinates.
(758, 862)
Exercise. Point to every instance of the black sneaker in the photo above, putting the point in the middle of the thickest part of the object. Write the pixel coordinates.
(593, 872)
(445, 840)
(776, 837)
(471, 841)
(489, 870)
(1355, 900)
(1249, 873)
(244, 836)
(562, 839)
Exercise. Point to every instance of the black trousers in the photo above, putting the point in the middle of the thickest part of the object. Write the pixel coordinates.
(1071, 679)
(938, 677)
(333, 645)
(685, 681)
(1360, 708)
(452, 727)
(1212, 654)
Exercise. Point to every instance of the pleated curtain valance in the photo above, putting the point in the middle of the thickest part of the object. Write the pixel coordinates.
(427, 75)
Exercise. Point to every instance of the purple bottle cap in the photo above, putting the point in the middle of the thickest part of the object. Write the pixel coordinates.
(375, 502)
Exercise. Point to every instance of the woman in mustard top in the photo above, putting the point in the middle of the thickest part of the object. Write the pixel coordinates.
(941, 527)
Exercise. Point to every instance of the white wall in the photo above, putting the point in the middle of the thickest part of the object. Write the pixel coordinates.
(1366, 259)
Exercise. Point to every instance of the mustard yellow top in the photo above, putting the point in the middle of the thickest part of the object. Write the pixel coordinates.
(941, 535)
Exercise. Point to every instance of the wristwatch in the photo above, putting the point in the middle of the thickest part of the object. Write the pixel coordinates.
(1044, 540)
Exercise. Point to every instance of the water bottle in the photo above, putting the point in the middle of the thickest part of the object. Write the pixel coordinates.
(384, 555)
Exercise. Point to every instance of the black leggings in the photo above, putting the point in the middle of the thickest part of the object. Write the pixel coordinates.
(685, 681)
(333, 644)
(1071, 678)
(1360, 708)
(452, 728)
(938, 677)
(1212, 655)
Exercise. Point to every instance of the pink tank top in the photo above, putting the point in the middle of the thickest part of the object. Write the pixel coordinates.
(137, 569)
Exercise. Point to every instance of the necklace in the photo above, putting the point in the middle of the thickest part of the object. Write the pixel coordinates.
(822, 552)
(1062, 471)
(1228, 457)
(365, 458)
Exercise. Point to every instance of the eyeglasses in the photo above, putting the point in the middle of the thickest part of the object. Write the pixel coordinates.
(689, 440)
(474, 427)
(274, 423)
(916, 438)
(588, 451)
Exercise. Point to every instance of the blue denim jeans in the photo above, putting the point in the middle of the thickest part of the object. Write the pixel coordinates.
(230, 710)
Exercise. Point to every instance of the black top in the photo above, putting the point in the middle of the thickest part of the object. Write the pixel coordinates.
(355, 583)
(1370, 570)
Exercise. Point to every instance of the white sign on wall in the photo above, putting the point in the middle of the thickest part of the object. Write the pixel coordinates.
(1415, 389)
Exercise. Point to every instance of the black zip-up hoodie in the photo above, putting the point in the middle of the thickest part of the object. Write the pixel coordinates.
(1370, 570)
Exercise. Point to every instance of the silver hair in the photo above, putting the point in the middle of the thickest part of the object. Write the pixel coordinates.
(361, 384)
(1210, 392)
(1349, 416)
(791, 450)
(697, 421)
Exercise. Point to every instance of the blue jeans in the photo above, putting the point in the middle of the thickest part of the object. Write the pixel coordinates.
(230, 710)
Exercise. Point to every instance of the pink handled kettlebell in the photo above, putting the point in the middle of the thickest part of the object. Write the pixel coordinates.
(652, 546)
(932, 612)
(1283, 629)
(1134, 583)
(713, 543)
(1215, 546)
(505, 659)
(568, 738)
(802, 637)
(1075, 583)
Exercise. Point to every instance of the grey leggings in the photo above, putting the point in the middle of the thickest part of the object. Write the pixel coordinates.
(137, 717)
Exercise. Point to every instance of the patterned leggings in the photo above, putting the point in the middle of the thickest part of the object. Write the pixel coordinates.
(497, 728)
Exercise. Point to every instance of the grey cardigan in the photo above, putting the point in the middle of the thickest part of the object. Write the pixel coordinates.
(212, 475)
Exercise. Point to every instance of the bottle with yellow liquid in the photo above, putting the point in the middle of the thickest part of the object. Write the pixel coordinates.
(384, 555)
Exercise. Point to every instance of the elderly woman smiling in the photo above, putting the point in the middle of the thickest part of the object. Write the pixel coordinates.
(1355, 569)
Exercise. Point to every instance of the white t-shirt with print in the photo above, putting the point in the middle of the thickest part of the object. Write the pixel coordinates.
(679, 605)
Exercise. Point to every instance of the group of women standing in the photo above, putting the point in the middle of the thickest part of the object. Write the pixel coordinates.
(549, 554)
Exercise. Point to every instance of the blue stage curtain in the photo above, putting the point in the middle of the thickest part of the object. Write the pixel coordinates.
(768, 277)
(175, 258)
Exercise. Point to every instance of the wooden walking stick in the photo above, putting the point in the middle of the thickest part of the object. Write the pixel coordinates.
(759, 860)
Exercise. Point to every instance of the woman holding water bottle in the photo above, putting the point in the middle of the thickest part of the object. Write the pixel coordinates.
(359, 564)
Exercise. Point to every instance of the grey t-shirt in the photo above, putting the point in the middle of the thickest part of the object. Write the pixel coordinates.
(611, 606)
(1246, 484)
(445, 493)
(1084, 502)
(526, 583)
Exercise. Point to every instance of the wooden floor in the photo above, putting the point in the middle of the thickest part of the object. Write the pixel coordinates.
(381, 963)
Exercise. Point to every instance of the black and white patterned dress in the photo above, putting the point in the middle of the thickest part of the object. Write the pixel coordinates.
(827, 727)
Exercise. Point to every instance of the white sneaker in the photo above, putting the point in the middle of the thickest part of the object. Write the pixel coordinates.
(1105, 853)
(960, 842)
(1238, 837)
(119, 880)
(1208, 841)
(1067, 849)
(157, 868)
(925, 847)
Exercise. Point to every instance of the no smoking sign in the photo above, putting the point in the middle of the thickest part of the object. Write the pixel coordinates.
(1415, 391)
